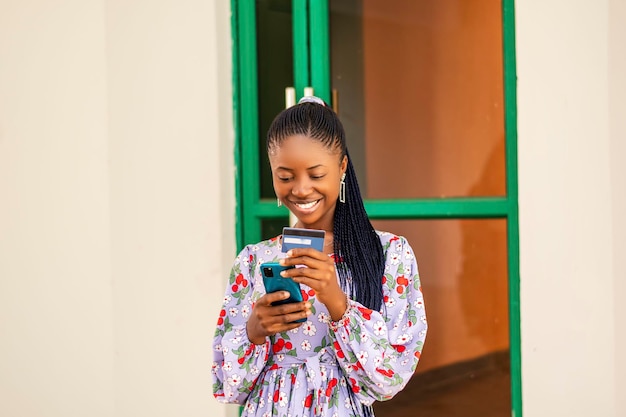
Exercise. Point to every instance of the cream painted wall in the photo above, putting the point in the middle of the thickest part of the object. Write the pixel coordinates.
(617, 114)
(571, 182)
(117, 205)
(56, 322)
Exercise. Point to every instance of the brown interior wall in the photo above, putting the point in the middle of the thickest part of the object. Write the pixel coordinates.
(434, 127)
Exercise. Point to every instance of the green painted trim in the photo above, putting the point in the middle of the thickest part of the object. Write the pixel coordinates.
(320, 49)
(449, 208)
(250, 187)
(510, 122)
(300, 46)
(236, 124)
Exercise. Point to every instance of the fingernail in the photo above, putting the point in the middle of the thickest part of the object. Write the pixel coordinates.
(283, 274)
(285, 294)
(290, 253)
(281, 262)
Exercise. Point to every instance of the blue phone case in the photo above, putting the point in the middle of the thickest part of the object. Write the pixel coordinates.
(274, 282)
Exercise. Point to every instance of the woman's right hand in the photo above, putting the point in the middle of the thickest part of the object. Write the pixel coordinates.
(267, 320)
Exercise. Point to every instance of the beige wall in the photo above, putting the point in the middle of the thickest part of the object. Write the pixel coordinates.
(571, 179)
(116, 204)
(617, 126)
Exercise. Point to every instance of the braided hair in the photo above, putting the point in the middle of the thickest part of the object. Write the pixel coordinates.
(359, 257)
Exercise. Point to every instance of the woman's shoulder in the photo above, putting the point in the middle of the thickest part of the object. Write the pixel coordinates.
(265, 246)
(388, 238)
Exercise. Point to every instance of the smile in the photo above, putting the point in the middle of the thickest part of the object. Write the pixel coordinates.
(306, 206)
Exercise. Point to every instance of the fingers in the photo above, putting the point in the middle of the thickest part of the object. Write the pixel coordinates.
(273, 297)
(301, 256)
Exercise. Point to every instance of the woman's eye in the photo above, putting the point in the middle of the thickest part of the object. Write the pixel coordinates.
(284, 179)
(317, 177)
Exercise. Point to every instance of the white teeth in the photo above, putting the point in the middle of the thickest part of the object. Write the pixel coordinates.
(307, 205)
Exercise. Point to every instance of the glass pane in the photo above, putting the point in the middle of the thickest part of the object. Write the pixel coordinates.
(464, 369)
(273, 227)
(275, 72)
(420, 93)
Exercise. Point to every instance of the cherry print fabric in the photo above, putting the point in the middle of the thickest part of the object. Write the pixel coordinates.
(321, 368)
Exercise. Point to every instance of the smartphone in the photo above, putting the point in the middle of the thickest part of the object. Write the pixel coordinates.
(274, 282)
(294, 237)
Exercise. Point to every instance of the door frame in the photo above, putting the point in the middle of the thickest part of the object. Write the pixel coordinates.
(251, 209)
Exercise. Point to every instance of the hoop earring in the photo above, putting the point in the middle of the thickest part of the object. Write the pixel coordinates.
(278, 202)
(342, 188)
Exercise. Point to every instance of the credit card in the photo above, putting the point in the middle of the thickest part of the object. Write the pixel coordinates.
(294, 237)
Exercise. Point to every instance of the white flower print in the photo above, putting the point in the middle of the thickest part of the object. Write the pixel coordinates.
(227, 299)
(267, 414)
(408, 255)
(234, 380)
(345, 338)
(399, 247)
(280, 357)
(282, 399)
(379, 328)
(245, 311)
(254, 370)
(362, 356)
(218, 348)
(378, 360)
(294, 331)
(323, 317)
(225, 350)
(235, 340)
(403, 339)
(310, 375)
(228, 366)
(309, 328)
(394, 259)
(255, 248)
(423, 319)
(268, 251)
(306, 345)
(404, 362)
(418, 303)
(390, 302)
(348, 403)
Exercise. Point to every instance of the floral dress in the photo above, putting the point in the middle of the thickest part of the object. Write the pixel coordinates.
(322, 368)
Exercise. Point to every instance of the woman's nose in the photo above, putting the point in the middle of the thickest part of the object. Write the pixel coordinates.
(301, 188)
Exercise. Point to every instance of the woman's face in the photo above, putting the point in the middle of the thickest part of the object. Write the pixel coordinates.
(306, 178)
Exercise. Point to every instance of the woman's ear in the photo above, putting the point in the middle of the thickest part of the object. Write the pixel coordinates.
(344, 164)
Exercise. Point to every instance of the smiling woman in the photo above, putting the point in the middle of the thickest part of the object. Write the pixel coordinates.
(364, 320)
(306, 176)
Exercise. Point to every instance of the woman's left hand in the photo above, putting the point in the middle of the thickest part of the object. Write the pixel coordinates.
(319, 274)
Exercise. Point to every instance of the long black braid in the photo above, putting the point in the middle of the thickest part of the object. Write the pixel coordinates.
(359, 257)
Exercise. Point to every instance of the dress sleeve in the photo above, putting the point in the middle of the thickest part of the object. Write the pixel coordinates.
(379, 351)
(237, 361)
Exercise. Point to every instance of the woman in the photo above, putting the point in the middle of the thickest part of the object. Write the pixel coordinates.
(365, 319)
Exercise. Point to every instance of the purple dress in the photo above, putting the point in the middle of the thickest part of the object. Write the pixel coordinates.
(322, 368)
